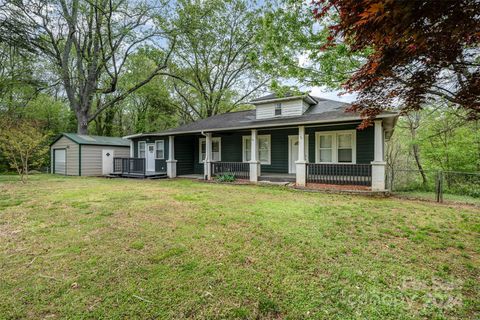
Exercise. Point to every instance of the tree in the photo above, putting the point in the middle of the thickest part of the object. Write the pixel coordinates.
(89, 43)
(23, 144)
(290, 40)
(421, 51)
(213, 66)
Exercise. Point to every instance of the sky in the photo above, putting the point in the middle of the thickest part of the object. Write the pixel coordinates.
(333, 95)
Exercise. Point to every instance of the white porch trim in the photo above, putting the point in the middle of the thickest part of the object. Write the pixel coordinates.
(378, 163)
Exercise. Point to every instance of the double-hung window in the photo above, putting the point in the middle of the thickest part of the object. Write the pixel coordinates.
(141, 149)
(216, 149)
(345, 147)
(264, 149)
(160, 149)
(278, 109)
(336, 147)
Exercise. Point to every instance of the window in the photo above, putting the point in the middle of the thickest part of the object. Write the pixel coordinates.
(336, 147)
(141, 149)
(216, 150)
(345, 150)
(326, 148)
(264, 149)
(160, 149)
(278, 109)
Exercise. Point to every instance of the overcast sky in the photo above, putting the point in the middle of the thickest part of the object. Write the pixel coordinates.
(333, 95)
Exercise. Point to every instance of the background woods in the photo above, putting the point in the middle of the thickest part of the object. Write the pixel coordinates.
(116, 67)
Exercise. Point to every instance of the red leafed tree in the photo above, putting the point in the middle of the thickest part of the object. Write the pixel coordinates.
(421, 50)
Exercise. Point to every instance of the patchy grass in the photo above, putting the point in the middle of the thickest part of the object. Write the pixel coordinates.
(447, 198)
(97, 248)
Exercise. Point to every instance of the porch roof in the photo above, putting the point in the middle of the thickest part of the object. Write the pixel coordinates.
(324, 111)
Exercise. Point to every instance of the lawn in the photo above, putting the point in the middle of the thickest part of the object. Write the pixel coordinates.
(95, 248)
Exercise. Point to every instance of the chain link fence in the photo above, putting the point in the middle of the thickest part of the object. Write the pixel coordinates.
(435, 185)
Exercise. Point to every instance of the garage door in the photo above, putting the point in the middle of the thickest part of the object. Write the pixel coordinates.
(59, 166)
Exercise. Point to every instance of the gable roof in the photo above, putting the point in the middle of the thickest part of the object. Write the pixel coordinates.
(287, 96)
(94, 140)
(324, 111)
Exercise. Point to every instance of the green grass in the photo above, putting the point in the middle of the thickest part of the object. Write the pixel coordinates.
(89, 248)
(447, 198)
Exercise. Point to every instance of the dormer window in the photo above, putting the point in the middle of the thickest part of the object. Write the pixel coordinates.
(278, 109)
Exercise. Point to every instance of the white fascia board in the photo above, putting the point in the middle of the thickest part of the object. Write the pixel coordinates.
(268, 126)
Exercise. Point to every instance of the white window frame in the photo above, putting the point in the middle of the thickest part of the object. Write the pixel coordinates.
(219, 139)
(144, 149)
(163, 149)
(334, 135)
(279, 104)
(247, 139)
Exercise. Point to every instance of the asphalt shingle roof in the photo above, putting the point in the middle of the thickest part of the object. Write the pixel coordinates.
(324, 111)
(96, 140)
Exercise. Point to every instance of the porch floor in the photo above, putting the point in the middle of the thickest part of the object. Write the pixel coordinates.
(147, 174)
(191, 176)
(278, 177)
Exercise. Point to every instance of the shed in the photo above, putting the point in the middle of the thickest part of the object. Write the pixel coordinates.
(83, 155)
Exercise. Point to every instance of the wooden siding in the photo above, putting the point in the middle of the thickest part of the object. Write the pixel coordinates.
(187, 153)
(289, 108)
(160, 164)
(279, 150)
(71, 155)
(92, 158)
(184, 146)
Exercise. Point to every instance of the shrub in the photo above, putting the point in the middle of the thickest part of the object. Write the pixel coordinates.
(226, 177)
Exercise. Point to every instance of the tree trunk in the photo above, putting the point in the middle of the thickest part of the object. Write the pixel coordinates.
(416, 155)
(82, 122)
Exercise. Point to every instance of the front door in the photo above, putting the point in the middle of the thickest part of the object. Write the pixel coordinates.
(293, 152)
(150, 157)
(107, 161)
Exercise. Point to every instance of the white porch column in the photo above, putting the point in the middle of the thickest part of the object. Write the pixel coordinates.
(207, 168)
(301, 163)
(171, 162)
(132, 149)
(378, 163)
(254, 163)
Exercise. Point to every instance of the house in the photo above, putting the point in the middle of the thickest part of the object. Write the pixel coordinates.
(81, 155)
(301, 138)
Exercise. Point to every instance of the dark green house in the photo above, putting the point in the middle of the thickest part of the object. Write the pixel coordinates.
(302, 138)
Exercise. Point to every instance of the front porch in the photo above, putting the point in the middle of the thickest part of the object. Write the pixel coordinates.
(330, 154)
(135, 168)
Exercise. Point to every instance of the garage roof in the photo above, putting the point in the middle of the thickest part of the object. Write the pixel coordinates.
(94, 140)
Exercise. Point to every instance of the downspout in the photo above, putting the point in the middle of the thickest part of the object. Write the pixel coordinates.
(205, 174)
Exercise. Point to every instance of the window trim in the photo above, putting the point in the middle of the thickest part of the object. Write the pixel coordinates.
(144, 149)
(279, 104)
(335, 145)
(219, 139)
(163, 148)
(269, 139)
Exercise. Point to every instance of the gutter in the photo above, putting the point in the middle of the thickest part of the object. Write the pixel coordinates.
(259, 126)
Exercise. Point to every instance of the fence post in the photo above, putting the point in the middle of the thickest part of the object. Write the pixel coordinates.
(440, 189)
(439, 186)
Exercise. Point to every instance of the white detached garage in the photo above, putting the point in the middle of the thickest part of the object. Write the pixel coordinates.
(81, 155)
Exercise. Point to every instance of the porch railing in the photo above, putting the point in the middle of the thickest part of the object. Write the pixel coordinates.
(240, 170)
(129, 165)
(343, 174)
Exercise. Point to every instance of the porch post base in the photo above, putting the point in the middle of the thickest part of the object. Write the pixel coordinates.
(378, 175)
(207, 170)
(301, 175)
(254, 171)
(171, 168)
